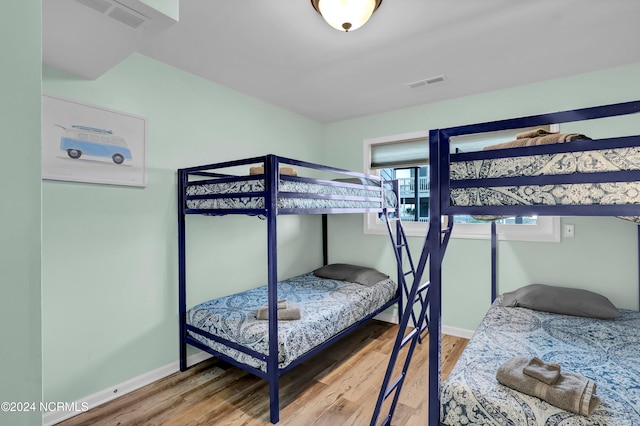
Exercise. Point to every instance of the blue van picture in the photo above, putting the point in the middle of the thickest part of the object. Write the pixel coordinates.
(78, 141)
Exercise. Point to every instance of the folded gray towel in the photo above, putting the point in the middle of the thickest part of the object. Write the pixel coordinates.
(291, 312)
(543, 371)
(570, 392)
(534, 133)
(282, 304)
(538, 140)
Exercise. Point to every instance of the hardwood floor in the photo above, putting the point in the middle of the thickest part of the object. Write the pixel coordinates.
(339, 386)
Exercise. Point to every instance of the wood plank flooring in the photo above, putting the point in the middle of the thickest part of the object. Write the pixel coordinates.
(337, 387)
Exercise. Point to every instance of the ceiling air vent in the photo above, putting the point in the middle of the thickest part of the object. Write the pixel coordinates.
(119, 12)
(426, 81)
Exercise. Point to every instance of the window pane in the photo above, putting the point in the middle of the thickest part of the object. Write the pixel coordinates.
(413, 184)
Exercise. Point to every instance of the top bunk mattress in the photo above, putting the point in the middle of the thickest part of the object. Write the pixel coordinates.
(605, 351)
(542, 176)
(310, 195)
(327, 307)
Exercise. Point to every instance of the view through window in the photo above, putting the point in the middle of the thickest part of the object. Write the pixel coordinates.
(413, 183)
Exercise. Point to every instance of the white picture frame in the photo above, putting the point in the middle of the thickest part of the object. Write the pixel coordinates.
(93, 144)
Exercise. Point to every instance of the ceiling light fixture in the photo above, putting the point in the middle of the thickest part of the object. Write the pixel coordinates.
(346, 15)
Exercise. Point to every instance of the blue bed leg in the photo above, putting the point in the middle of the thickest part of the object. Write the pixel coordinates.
(182, 277)
(438, 148)
(494, 261)
(271, 180)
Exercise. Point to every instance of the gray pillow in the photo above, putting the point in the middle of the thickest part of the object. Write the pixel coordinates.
(352, 273)
(562, 300)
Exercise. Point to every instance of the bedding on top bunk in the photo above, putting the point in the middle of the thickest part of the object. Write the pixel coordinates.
(605, 351)
(327, 306)
(286, 202)
(603, 160)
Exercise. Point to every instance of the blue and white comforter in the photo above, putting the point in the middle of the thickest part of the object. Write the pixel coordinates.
(604, 160)
(374, 196)
(327, 307)
(606, 351)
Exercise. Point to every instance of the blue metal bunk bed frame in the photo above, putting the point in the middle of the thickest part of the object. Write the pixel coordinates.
(437, 238)
(208, 174)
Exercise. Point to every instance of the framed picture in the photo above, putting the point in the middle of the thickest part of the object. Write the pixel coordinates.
(88, 143)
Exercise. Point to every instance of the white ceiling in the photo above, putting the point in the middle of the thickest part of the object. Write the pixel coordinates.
(281, 51)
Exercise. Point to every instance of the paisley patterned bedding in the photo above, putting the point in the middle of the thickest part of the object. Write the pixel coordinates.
(254, 202)
(610, 160)
(327, 307)
(606, 351)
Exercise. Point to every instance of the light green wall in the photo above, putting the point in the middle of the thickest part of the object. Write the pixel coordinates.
(602, 256)
(20, 248)
(110, 252)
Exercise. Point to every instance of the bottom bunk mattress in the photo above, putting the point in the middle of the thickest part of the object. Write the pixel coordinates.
(326, 308)
(605, 351)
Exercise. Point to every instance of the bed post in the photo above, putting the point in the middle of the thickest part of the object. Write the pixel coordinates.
(494, 261)
(182, 280)
(325, 240)
(395, 186)
(436, 169)
(271, 205)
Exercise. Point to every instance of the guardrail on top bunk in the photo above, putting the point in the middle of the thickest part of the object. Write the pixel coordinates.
(212, 190)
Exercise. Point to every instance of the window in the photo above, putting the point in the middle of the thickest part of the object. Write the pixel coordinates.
(405, 157)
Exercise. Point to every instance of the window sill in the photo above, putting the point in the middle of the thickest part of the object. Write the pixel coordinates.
(546, 230)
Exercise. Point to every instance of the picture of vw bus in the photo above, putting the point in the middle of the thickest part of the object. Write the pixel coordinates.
(83, 140)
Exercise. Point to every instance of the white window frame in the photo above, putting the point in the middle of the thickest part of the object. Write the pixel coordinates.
(547, 228)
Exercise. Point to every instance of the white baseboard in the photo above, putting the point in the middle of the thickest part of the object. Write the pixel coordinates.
(452, 331)
(458, 332)
(391, 317)
(52, 417)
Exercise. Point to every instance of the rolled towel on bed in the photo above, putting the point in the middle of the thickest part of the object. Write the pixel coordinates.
(570, 392)
(533, 133)
(538, 140)
(283, 171)
(291, 312)
(543, 371)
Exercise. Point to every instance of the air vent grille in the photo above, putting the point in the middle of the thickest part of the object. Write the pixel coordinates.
(426, 81)
(126, 17)
(119, 12)
(98, 5)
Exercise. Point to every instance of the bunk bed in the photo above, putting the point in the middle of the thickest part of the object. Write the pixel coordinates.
(587, 177)
(271, 329)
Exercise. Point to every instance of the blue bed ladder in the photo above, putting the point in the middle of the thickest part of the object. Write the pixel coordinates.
(399, 242)
(419, 294)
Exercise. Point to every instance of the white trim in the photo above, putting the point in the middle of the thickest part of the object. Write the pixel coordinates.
(109, 394)
(387, 316)
(392, 317)
(457, 332)
(547, 229)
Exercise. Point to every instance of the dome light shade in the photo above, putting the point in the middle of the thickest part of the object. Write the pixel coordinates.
(346, 15)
